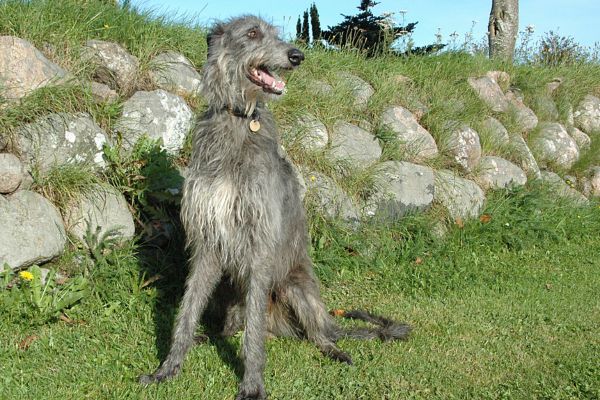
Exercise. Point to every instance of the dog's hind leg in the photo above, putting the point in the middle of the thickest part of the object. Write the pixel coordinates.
(301, 292)
(203, 278)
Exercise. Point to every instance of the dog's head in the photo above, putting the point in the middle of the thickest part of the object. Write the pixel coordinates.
(245, 57)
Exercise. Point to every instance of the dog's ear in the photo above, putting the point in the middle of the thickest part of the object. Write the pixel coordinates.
(216, 32)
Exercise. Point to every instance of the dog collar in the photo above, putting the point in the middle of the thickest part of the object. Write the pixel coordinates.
(253, 125)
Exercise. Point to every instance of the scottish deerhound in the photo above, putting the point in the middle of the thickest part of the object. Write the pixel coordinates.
(244, 220)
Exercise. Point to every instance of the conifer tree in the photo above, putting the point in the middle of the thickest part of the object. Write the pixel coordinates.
(298, 29)
(305, 28)
(315, 24)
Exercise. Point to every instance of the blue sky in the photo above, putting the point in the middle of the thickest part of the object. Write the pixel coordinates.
(576, 18)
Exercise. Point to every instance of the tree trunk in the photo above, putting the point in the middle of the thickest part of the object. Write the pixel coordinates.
(503, 29)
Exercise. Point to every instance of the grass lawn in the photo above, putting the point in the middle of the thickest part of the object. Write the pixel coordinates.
(509, 309)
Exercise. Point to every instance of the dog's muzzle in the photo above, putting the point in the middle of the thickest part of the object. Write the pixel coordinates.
(295, 56)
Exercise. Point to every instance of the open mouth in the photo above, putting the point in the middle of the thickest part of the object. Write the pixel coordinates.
(270, 83)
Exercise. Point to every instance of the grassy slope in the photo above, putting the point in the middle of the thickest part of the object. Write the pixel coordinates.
(507, 309)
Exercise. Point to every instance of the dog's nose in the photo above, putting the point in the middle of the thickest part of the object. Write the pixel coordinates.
(295, 56)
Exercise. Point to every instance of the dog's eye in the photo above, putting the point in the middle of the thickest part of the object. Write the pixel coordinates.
(253, 33)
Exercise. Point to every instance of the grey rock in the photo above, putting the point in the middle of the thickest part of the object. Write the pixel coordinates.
(313, 133)
(496, 131)
(587, 114)
(464, 145)
(490, 93)
(562, 189)
(401, 187)
(11, 173)
(583, 140)
(174, 72)
(100, 211)
(554, 146)
(57, 139)
(417, 141)
(103, 93)
(500, 77)
(354, 144)
(24, 69)
(525, 117)
(546, 108)
(461, 197)
(591, 182)
(498, 173)
(553, 85)
(321, 88)
(361, 90)
(114, 65)
(402, 79)
(32, 230)
(570, 116)
(157, 114)
(524, 156)
(333, 202)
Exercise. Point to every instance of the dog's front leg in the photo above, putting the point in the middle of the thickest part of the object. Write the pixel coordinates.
(253, 349)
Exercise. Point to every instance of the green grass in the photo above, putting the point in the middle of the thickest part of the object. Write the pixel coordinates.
(505, 309)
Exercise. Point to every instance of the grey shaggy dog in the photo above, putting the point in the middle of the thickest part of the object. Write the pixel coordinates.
(244, 220)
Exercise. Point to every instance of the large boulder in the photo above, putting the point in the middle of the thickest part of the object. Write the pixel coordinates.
(32, 230)
(495, 131)
(591, 182)
(157, 114)
(57, 139)
(562, 189)
(100, 211)
(23, 69)
(332, 201)
(554, 146)
(11, 173)
(360, 89)
(103, 93)
(498, 173)
(464, 146)
(354, 144)
(461, 197)
(401, 187)
(490, 93)
(522, 154)
(546, 108)
(502, 78)
(312, 133)
(525, 118)
(114, 66)
(418, 143)
(174, 72)
(581, 138)
(587, 114)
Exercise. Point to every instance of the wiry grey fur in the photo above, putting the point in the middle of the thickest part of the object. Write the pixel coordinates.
(244, 220)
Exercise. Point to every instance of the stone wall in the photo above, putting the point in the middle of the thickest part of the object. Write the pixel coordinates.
(34, 231)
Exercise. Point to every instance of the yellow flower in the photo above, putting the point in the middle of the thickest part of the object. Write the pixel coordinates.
(26, 275)
(313, 178)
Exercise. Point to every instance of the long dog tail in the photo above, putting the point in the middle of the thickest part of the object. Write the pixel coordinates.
(384, 329)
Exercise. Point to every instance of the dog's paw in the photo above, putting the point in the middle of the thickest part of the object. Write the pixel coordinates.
(160, 375)
(340, 356)
(148, 379)
(255, 393)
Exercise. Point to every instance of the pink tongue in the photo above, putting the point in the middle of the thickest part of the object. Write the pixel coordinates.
(268, 80)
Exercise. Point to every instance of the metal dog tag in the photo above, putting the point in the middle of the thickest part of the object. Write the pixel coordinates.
(254, 125)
